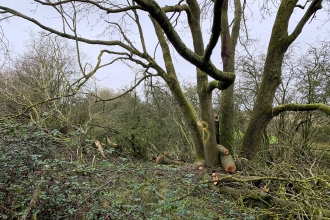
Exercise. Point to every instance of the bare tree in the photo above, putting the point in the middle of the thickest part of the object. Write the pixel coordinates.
(45, 71)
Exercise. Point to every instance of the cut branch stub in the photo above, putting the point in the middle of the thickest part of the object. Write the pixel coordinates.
(222, 149)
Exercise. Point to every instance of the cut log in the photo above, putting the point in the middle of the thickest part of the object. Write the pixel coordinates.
(159, 160)
(228, 163)
(226, 159)
(222, 149)
(164, 160)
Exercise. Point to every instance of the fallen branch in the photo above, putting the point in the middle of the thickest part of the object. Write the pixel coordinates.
(112, 144)
(271, 200)
(258, 194)
(225, 178)
(243, 179)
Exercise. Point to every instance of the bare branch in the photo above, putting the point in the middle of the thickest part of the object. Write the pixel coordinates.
(36, 104)
(312, 9)
(85, 78)
(175, 8)
(123, 34)
(128, 91)
(215, 84)
(72, 37)
(303, 6)
(301, 107)
(216, 29)
(165, 49)
(137, 21)
(95, 3)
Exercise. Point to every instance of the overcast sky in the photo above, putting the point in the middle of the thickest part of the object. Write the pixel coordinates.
(17, 32)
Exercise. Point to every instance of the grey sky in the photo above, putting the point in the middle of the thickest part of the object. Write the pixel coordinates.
(117, 75)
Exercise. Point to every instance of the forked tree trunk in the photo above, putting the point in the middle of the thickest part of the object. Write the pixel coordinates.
(279, 42)
(262, 110)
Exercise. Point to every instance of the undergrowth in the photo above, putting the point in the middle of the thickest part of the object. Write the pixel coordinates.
(45, 175)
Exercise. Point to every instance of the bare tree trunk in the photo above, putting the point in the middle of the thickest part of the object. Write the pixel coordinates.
(205, 97)
(212, 156)
(228, 45)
